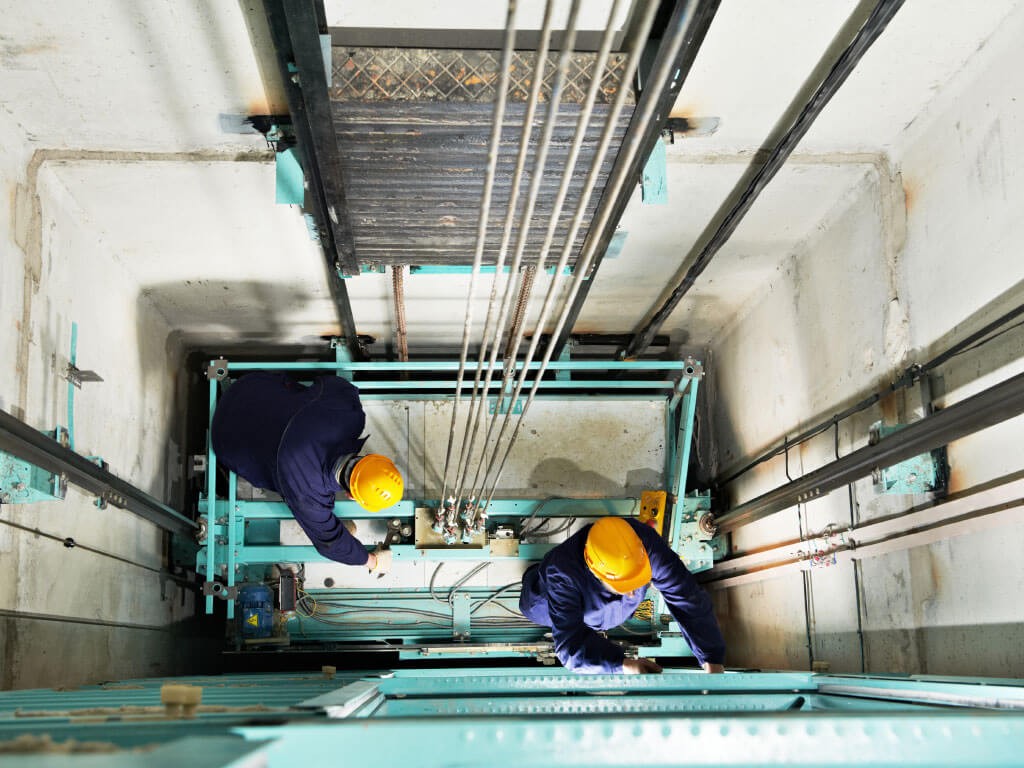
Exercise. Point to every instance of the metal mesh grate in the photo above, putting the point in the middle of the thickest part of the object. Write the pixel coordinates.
(427, 74)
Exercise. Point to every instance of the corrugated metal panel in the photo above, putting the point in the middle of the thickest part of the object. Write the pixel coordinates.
(413, 135)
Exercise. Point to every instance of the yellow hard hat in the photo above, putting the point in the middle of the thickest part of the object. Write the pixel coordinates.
(375, 483)
(615, 554)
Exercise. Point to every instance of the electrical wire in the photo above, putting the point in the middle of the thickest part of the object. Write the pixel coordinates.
(457, 585)
(494, 596)
(433, 576)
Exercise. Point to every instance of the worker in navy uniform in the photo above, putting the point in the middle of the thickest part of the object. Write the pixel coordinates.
(304, 443)
(595, 580)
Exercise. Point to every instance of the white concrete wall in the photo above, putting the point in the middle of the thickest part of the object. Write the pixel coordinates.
(923, 252)
(56, 270)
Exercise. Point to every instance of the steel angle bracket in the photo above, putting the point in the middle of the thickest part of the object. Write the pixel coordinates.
(217, 370)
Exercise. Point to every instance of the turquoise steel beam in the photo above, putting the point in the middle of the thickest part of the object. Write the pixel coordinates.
(279, 553)
(553, 396)
(278, 510)
(211, 493)
(591, 705)
(232, 544)
(368, 385)
(465, 269)
(447, 365)
(493, 682)
(684, 439)
(791, 738)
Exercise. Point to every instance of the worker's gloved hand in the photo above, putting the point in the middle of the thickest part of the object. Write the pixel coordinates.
(640, 667)
(713, 669)
(379, 561)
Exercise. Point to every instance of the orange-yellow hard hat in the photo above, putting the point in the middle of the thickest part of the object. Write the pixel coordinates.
(615, 554)
(375, 483)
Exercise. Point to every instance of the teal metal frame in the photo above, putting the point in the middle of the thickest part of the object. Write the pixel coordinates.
(522, 717)
(239, 544)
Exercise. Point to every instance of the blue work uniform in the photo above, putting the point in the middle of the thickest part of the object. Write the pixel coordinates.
(562, 593)
(287, 437)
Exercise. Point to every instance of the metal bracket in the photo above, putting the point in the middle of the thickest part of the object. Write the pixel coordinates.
(216, 589)
(692, 368)
(218, 370)
(460, 616)
(79, 377)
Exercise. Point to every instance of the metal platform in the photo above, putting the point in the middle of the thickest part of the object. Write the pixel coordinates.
(603, 433)
(499, 717)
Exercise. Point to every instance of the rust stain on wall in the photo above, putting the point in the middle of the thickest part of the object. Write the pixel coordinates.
(909, 195)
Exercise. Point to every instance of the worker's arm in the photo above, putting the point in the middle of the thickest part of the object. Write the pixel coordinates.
(301, 482)
(327, 533)
(687, 601)
(577, 646)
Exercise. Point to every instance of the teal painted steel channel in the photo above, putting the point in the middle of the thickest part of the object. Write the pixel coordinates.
(452, 366)
(525, 717)
(228, 557)
(211, 492)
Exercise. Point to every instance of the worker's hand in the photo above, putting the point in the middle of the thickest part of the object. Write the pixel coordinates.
(640, 667)
(379, 561)
(713, 669)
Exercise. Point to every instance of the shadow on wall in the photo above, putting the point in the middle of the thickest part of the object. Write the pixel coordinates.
(235, 310)
(105, 653)
(168, 315)
(561, 477)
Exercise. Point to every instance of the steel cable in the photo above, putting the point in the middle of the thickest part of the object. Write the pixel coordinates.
(540, 160)
(485, 209)
(582, 123)
(465, 455)
(658, 80)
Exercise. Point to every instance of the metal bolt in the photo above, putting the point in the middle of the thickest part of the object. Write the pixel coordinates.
(295, 78)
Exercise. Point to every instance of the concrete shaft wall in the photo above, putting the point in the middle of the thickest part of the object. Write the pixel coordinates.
(71, 615)
(923, 251)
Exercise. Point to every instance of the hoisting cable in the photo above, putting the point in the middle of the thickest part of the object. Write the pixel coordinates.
(485, 209)
(582, 123)
(540, 161)
(660, 80)
(506, 237)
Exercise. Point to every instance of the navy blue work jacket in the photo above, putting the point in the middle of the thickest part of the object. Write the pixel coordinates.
(563, 594)
(287, 437)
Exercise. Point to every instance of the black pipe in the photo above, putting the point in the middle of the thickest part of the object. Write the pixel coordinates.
(996, 404)
(39, 449)
(745, 196)
(651, 133)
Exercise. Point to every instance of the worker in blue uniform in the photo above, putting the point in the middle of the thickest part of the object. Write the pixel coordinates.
(304, 442)
(595, 580)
